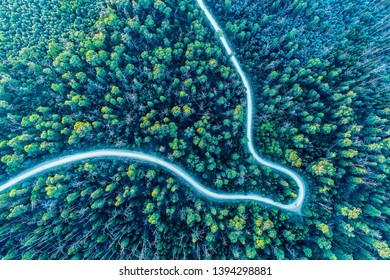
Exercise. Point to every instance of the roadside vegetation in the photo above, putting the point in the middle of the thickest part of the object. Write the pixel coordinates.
(152, 76)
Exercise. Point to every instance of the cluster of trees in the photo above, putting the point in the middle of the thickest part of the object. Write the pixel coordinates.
(151, 75)
(321, 76)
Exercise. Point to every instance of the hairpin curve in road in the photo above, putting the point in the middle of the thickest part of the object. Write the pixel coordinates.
(294, 206)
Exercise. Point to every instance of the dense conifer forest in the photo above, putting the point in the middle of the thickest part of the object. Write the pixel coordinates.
(152, 76)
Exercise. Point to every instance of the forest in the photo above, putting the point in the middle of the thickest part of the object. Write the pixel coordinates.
(152, 76)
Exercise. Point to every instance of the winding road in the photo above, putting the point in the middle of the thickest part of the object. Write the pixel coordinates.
(207, 192)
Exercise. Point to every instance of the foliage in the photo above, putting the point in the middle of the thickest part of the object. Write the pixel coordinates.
(152, 76)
